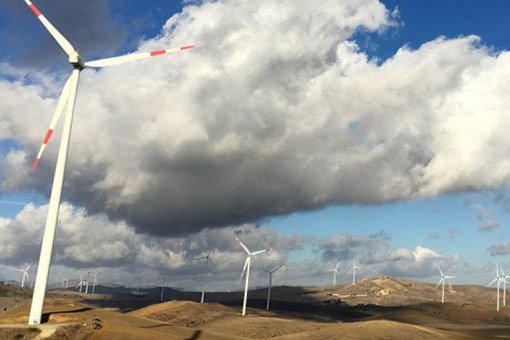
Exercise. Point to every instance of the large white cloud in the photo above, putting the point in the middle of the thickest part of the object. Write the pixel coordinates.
(275, 111)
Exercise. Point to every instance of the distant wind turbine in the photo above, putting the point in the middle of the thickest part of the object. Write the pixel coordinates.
(94, 281)
(498, 280)
(354, 268)
(270, 272)
(335, 271)
(207, 259)
(246, 269)
(25, 274)
(67, 99)
(504, 277)
(82, 284)
(442, 281)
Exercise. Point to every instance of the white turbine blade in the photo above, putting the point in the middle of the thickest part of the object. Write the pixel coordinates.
(133, 56)
(242, 245)
(62, 101)
(244, 268)
(200, 258)
(440, 271)
(449, 277)
(440, 281)
(259, 252)
(490, 284)
(61, 40)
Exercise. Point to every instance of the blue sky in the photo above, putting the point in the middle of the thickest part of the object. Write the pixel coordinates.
(449, 224)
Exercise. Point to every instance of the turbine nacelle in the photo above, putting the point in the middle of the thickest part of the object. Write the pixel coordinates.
(76, 60)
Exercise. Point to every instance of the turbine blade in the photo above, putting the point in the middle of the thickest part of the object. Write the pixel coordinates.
(490, 284)
(242, 245)
(62, 101)
(259, 252)
(61, 40)
(132, 57)
(440, 281)
(244, 268)
(440, 271)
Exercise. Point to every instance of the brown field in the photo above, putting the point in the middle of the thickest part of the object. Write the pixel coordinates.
(381, 308)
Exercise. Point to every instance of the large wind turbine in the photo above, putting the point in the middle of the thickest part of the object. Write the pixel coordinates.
(335, 271)
(67, 98)
(25, 274)
(94, 280)
(354, 268)
(270, 272)
(207, 259)
(246, 269)
(503, 278)
(498, 281)
(442, 281)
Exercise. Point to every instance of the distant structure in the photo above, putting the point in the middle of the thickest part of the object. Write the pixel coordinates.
(94, 281)
(163, 282)
(67, 100)
(246, 269)
(498, 280)
(335, 271)
(442, 281)
(504, 277)
(285, 269)
(207, 259)
(270, 272)
(82, 284)
(354, 268)
(65, 283)
(25, 274)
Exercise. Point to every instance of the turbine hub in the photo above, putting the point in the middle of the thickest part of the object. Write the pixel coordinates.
(76, 60)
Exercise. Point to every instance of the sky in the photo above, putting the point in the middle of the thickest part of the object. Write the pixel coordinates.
(363, 130)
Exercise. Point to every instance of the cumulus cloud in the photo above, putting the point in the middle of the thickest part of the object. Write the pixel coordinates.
(486, 223)
(500, 249)
(347, 247)
(277, 110)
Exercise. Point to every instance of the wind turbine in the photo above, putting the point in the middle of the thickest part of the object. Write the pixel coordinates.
(497, 280)
(94, 281)
(82, 284)
(285, 270)
(270, 272)
(504, 277)
(335, 271)
(67, 98)
(25, 274)
(353, 268)
(163, 281)
(246, 269)
(207, 259)
(442, 281)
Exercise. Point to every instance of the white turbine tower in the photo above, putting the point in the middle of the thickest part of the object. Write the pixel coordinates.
(270, 272)
(94, 281)
(207, 259)
(335, 271)
(246, 269)
(82, 284)
(67, 98)
(503, 278)
(163, 282)
(25, 274)
(442, 281)
(354, 268)
(499, 278)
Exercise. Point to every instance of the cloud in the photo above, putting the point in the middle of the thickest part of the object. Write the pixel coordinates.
(348, 247)
(453, 233)
(89, 25)
(500, 249)
(277, 110)
(485, 223)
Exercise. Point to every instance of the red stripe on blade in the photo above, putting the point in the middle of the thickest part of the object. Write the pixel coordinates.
(155, 53)
(48, 136)
(35, 10)
(187, 47)
(34, 165)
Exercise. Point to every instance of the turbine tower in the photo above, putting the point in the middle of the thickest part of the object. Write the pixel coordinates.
(504, 277)
(163, 282)
(207, 259)
(499, 278)
(335, 271)
(94, 281)
(246, 269)
(270, 272)
(25, 274)
(82, 284)
(442, 281)
(67, 98)
(354, 268)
